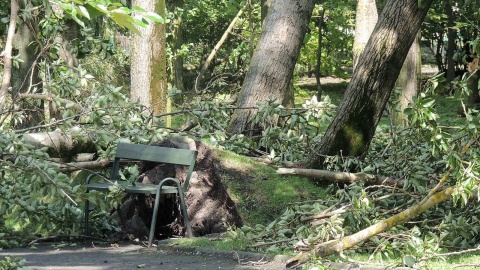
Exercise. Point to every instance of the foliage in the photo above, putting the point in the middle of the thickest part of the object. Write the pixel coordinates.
(418, 156)
(287, 132)
(114, 10)
(9, 263)
(35, 194)
(337, 40)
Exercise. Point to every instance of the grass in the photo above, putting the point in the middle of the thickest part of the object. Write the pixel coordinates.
(260, 193)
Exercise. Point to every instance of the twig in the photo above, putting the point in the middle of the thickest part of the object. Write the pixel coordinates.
(271, 243)
(450, 253)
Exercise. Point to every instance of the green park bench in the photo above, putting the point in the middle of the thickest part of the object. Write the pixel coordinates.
(152, 154)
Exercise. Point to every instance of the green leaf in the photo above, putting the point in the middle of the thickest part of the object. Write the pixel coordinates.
(154, 17)
(83, 11)
(409, 260)
(140, 9)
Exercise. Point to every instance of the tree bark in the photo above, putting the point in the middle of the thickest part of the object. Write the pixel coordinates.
(176, 43)
(342, 177)
(149, 66)
(353, 127)
(409, 82)
(60, 145)
(25, 77)
(265, 5)
(318, 70)
(365, 19)
(7, 54)
(272, 64)
(451, 35)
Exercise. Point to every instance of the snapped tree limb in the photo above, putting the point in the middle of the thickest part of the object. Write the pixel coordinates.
(338, 245)
(342, 177)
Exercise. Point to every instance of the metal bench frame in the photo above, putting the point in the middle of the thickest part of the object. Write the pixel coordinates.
(153, 154)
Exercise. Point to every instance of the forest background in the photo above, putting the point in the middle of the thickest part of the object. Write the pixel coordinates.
(87, 74)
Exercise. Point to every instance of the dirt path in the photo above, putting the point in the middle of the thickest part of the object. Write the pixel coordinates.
(130, 256)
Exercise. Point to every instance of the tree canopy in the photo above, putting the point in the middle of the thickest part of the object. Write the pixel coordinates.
(66, 91)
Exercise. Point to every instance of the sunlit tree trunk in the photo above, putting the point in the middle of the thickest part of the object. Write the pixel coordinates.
(365, 19)
(272, 64)
(7, 55)
(148, 68)
(366, 96)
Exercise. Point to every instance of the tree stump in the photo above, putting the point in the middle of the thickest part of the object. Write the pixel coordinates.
(210, 208)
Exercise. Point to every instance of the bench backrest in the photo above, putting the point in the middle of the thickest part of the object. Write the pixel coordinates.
(155, 154)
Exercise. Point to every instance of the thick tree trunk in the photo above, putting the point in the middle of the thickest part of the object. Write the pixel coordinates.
(149, 66)
(272, 64)
(61, 145)
(353, 127)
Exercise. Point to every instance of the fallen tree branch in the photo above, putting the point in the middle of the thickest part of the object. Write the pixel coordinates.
(449, 253)
(338, 245)
(66, 102)
(83, 165)
(342, 177)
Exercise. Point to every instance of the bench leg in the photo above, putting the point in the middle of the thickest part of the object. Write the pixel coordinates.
(154, 219)
(86, 212)
(185, 213)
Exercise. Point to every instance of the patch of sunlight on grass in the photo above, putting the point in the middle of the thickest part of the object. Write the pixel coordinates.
(260, 193)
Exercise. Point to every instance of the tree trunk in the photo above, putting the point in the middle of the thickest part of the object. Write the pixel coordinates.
(342, 177)
(353, 127)
(451, 35)
(177, 42)
(148, 74)
(7, 55)
(265, 5)
(272, 64)
(25, 77)
(365, 20)
(61, 145)
(409, 82)
(320, 22)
